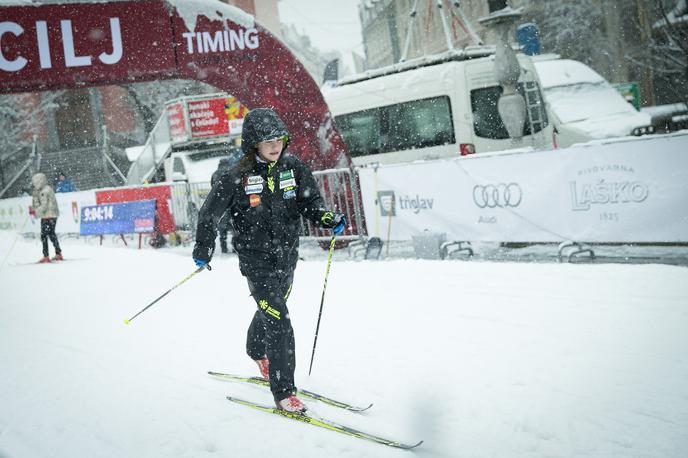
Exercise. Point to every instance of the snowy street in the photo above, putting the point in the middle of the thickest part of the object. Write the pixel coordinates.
(505, 182)
(478, 359)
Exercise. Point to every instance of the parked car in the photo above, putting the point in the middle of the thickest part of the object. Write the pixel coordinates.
(582, 105)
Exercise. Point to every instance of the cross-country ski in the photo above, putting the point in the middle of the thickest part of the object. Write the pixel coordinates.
(320, 422)
(305, 393)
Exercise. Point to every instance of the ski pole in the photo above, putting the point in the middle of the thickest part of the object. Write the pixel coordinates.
(322, 301)
(26, 220)
(207, 266)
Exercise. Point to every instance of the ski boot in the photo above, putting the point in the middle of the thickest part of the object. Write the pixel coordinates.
(291, 404)
(264, 367)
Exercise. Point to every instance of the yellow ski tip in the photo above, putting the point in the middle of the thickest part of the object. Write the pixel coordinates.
(126, 321)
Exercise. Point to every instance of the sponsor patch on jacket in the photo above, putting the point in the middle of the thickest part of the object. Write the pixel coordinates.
(289, 194)
(254, 200)
(253, 189)
(287, 179)
(255, 179)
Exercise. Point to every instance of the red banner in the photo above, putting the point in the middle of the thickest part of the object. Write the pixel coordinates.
(208, 118)
(162, 195)
(58, 45)
(46, 47)
(176, 121)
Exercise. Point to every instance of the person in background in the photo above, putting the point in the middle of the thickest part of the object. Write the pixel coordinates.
(64, 184)
(44, 207)
(264, 195)
(223, 225)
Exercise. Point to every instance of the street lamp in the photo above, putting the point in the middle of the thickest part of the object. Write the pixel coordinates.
(511, 105)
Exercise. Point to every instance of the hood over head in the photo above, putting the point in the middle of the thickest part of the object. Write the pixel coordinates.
(261, 124)
(39, 180)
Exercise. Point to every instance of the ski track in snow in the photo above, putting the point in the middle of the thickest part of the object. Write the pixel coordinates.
(478, 359)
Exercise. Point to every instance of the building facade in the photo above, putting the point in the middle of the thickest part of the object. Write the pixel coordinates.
(385, 25)
(608, 35)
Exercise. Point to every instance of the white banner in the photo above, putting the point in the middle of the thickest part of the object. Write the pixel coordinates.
(625, 191)
(14, 213)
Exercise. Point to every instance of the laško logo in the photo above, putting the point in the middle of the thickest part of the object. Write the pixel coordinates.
(607, 193)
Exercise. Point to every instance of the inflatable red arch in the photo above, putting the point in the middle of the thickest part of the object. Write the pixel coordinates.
(89, 44)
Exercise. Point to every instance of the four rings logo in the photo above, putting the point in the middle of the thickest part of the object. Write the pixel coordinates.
(499, 195)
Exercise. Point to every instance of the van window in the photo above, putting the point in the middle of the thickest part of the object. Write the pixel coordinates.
(361, 132)
(210, 154)
(403, 126)
(178, 166)
(486, 120)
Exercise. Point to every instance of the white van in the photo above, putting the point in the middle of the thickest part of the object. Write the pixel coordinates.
(197, 165)
(433, 107)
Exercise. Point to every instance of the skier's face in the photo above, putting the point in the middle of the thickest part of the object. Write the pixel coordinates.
(270, 150)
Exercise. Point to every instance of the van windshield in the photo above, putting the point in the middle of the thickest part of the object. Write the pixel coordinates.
(223, 152)
(398, 127)
(486, 120)
(586, 100)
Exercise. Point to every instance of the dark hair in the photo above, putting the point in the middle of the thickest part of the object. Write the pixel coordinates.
(246, 162)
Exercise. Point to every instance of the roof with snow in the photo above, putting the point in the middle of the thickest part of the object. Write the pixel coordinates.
(565, 72)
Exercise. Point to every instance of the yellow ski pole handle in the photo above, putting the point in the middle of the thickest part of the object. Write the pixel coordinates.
(207, 266)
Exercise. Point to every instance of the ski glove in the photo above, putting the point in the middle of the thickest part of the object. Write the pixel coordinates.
(334, 221)
(339, 228)
(200, 262)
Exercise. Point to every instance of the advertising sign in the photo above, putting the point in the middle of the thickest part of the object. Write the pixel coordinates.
(207, 118)
(630, 92)
(162, 194)
(197, 118)
(176, 121)
(235, 112)
(118, 218)
(66, 44)
(623, 191)
(14, 212)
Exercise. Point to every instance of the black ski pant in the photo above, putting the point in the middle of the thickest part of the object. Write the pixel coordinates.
(222, 229)
(223, 240)
(270, 333)
(48, 232)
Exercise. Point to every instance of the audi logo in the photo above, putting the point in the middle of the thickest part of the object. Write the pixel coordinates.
(500, 195)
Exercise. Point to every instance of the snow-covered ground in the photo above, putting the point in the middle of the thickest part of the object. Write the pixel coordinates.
(479, 359)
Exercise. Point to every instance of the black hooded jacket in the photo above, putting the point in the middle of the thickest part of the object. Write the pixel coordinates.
(264, 201)
(222, 167)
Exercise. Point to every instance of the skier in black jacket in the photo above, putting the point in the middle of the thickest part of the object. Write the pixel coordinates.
(265, 195)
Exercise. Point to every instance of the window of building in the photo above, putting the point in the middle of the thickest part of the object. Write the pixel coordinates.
(496, 5)
(486, 120)
(403, 126)
(178, 166)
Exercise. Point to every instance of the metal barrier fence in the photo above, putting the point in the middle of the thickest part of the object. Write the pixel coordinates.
(338, 187)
